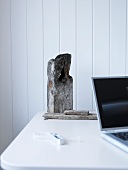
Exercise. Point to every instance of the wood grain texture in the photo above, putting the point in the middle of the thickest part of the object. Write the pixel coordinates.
(62, 116)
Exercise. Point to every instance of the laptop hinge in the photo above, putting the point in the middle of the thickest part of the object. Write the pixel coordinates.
(115, 130)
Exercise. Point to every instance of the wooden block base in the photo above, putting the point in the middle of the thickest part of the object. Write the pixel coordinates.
(73, 116)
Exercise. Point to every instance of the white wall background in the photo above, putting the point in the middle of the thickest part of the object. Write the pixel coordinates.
(34, 31)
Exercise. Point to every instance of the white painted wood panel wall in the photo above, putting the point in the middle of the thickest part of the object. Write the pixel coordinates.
(95, 32)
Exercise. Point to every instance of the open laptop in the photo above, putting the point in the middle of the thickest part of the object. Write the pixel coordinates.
(111, 94)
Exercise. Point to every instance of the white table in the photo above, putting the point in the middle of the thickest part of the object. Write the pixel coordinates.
(84, 148)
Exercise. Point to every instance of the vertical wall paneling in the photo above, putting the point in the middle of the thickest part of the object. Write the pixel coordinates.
(19, 65)
(51, 36)
(84, 54)
(101, 38)
(35, 56)
(117, 36)
(5, 76)
(68, 37)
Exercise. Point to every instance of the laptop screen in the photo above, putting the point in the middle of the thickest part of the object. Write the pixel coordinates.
(112, 101)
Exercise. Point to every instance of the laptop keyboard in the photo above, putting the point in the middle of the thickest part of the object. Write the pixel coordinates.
(121, 135)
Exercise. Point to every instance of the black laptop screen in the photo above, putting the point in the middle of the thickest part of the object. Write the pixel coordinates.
(112, 101)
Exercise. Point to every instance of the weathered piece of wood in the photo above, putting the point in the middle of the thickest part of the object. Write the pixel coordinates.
(76, 112)
(62, 116)
(59, 85)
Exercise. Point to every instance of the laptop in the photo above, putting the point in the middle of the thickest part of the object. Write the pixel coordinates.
(111, 96)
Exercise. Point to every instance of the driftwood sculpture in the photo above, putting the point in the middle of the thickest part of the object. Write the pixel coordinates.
(60, 92)
(59, 85)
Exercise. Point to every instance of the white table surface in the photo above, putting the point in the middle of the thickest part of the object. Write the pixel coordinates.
(84, 148)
